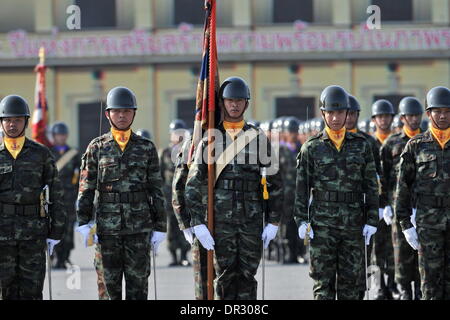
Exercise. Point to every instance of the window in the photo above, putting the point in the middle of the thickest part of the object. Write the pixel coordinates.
(287, 11)
(189, 11)
(88, 123)
(295, 106)
(392, 98)
(98, 13)
(398, 10)
(185, 111)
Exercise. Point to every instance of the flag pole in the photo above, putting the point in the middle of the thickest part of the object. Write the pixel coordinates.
(211, 125)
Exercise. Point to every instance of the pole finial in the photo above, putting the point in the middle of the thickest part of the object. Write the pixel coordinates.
(41, 55)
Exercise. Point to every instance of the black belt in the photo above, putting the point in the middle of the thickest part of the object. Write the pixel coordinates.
(238, 184)
(336, 196)
(434, 201)
(123, 197)
(21, 210)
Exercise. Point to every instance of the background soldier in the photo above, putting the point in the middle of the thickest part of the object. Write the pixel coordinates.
(144, 133)
(382, 116)
(338, 168)
(26, 230)
(424, 180)
(68, 163)
(175, 238)
(123, 168)
(397, 124)
(406, 265)
(238, 212)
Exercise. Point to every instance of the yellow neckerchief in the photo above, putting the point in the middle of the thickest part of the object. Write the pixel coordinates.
(337, 137)
(14, 145)
(382, 136)
(121, 137)
(354, 130)
(410, 133)
(442, 136)
(233, 128)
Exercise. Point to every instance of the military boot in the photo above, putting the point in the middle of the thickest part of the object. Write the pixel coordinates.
(417, 291)
(383, 292)
(183, 260)
(174, 262)
(392, 287)
(405, 292)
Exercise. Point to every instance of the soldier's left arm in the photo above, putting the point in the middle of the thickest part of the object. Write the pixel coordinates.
(154, 188)
(56, 208)
(370, 186)
(275, 188)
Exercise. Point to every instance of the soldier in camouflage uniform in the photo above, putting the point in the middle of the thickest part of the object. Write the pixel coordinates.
(175, 239)
(123, 169)
(397, 124)
(26, 230)
(424, 181)
(337, 168)
(238, 199)
(68, 163)
(382, 116)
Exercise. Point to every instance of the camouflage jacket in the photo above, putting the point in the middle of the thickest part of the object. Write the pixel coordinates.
(231, 205)
(69, 175)
(130, 180)
(21, 182)
(288, 172)
(167, 167)
(321, 168)
(424, 172)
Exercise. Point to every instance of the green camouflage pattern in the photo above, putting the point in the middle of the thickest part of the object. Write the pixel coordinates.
(98, 264)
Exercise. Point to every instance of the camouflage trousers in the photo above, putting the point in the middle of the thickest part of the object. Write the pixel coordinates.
(199, 262)
(434, 263)
(175, 237)
(126, 256)
(383, 249)
(22, 269)
(406, 258)
(238, 251)
(337, 259)
(98, 264)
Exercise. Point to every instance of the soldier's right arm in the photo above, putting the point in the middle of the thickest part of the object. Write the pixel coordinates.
(403, 190)
(303, 184)
(178, 188)
(87, 184)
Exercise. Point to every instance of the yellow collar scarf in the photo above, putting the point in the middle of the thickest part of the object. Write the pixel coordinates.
(233, 128)
(337, 137)
(410, 133)
(442, 136)
(353, 130)
(14, 145)
(382, 136)
(121, 137)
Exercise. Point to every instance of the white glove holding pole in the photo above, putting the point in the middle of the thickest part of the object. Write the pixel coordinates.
(156, 239)
(302, 231)
(203, 235)
(189, 235)
(51, 243)
(380, 213)
(269, 233)
(387, 215)
(368, 232)
(412, 238)
(85, 229)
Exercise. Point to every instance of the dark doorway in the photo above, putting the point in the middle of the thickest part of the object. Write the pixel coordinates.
(186, 111)
(88, 123)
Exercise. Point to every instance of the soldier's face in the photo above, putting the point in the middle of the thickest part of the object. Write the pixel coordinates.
(412, 121)
(121, 118)
(14, 126)
(60, 139)
(383, 121)
(234, 109)
(335, 119)
(440, 117)
(352, 120)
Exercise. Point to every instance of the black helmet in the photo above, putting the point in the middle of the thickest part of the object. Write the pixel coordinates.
(144, 133)
(234, 88)
(396, 122)
(255, 123)
(60, 128)
(424, 124)
(278, 123)
(290, 124)
(410, 105)
(364, 125)
(438, 97)
(334, 98)
(177, 124)
(14, 106)
(354, 104)
(301, 127)
(266, 125)
(382, 106)
(120, 98)
(317, 124)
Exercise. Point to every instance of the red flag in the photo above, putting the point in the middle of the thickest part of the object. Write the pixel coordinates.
(40, 119)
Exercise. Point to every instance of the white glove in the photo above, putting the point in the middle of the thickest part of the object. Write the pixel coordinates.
(368, 231)
(411, 237)
(189, 235)
(387, 215)
(302, 231)
(413, 217)
(269, 233)
(203, 235)
(156, 239)
(85, 229)
(51, 244)
(380, 213)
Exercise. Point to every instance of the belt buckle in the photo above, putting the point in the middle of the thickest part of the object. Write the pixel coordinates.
(341, 197)
(332, 196)
(239, 184)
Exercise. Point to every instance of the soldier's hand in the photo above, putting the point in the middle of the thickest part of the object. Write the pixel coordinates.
(303, 229)
(203, 235)
(412, 238)
(189, 235)
(156, 239)
(368, 231)
(85, 230)
(269, 233)
(387, 215)
(51, 243)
